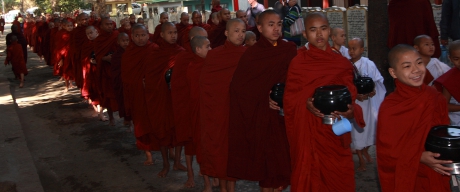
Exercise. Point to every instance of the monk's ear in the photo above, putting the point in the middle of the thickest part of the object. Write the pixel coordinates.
(392, 72)
(226, 33)
(259, 28)
(416, 47)
(304, 33)
(162, 35)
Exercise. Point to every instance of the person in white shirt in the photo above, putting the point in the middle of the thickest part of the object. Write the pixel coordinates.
(339, 37)
(425, 46)
(363, 138)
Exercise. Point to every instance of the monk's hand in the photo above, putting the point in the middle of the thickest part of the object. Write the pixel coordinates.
(272, 104)
(92, 61)
(428, 158)
(313, 109)
(60, 63)
(107, 58)
(372, 94)
(360, 97)
(350, 114)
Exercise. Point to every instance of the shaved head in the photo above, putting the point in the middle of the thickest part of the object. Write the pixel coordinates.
(264, 14)
(419, 38)
(197, 31)
(232, 22)
(163, 14)
(196, 13)
(138, 26)
(454, 46)
(396, 51)
(359, 40)
(183, 14)
(166, 25)
(312, 16)
(249, 35)
(214, 15)
(336, 30)
(225, 14)
(197, 41)
(121, 35)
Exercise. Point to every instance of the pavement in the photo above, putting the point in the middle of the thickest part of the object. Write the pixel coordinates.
(51, 140)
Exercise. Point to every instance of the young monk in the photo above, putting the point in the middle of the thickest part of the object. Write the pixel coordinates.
(217, 35)
(133, 63)
(156, 34)
(249, 39)
(405, 118)
(215, 9)
(104, 46)
(47, 43)
(215, 18)
(77, 39)
(2, 24)
(16, 58)
(115, 65)
(62, 53)
(158, 96)
(364, 137)
(197, 22)
(195, 31)
(132, 19)
(216, 75)
(264, 155)
(140, 20)
(182, 27)
(435, 68)
(339, 38)
(448, 84)
(321, 160)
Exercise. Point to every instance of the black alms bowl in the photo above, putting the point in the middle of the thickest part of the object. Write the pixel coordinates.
(364, 85)
(445, 140)
(277, 94)
(328, 99)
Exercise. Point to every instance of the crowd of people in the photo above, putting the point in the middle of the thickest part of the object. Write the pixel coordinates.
(204, 88)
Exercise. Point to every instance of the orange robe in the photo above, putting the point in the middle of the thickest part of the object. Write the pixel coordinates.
(405, 118)
(320, 160)
(16, 58)
(216, 75)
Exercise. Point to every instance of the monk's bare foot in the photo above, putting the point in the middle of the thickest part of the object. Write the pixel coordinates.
(362, 167)
(112, 122)
(215, 182)
(190, 183)
(148, 162)
(66, 90)
(21, 85)
(164, 172)
(172, 155)
(179, 166)
(199, 173)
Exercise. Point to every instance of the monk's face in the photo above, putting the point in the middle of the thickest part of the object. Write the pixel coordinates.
(250, 41)
(425, 47)
(127, 26)
(196, 19)
(203, 50)
(51, 25)
(48, 16)
(409, 68)
(270, 27)
(170, 34)
(83, 20)
(107, 25)
(215, 20)
(225, 14)
(454, 57)
(91, 34)
(123, 41)
(140, 37)
(242, 15)
(140, 21)
(63, 15)
(317, 32)
(164, 18)
(340, 37)
(354, 49)
(184, 19)
(236, 33)
(132, 19)
(68, 26)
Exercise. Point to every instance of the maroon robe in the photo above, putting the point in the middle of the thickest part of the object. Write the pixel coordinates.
(217, 36)
(181, 32)
(156, 34)
(115, 65)
(78, 38)
(16, 58)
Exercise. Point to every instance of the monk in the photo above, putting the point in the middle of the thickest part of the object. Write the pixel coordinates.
(140, 20)
(115, 65)
(258, 148)
(217, 36)
(132, 19)
(182, 27)
(77, 39)
(2, 24)
(21, 40)
(405, 118)
(17, 24)
(156, 34)
(62, 55)
(215, 4)
(435, 68)
(37, 30)
(215, 18)
(216, 75)
(320, 160)
(133, 65)
(104, 46)
(194, 31)
(250, 39)
(197, 22)
(241, 14)
(15, 57)
(339, 37)
(180, 92)
(46, 49)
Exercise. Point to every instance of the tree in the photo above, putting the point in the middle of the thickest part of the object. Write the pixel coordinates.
(9, 5)
(51, 6)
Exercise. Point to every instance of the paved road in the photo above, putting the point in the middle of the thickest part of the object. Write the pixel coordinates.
(74, 151)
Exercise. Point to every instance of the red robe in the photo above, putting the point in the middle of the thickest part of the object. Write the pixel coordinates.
(90, 89)
(217, 36)
(16, 58)
(46, 49)
(18, 25)
(156, 34)
(33, 34)
(213, 10)
(2, 25)
(186, 37)
(53, 35)
(104, 44)
(405, 26)
(320, 160)
(180, 94)
(26, 28)
(216, 75)
(133, 64)
(77, 39)
(405, 118)
(449, 80)
(61, 50)
(193, 81)
(115, 65)
(258, 146)
(38, 36)
(181, 31)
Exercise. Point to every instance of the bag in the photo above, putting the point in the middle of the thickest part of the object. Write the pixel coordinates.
(297, 27)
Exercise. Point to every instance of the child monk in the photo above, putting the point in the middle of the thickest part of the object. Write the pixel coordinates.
(156, 34)
(258, 147)
(249, 39)
(62, 48)
(216, 75)
(16, 58)
(339, 38)
(405, 118)
(140, 20)
(115, 65)
(448, 84)
(194, 31)
(215, 18)
(425, 46)
(364, 137)
(321, 160)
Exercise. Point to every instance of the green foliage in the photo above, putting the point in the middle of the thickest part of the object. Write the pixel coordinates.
(9, 5)
(61, 5)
